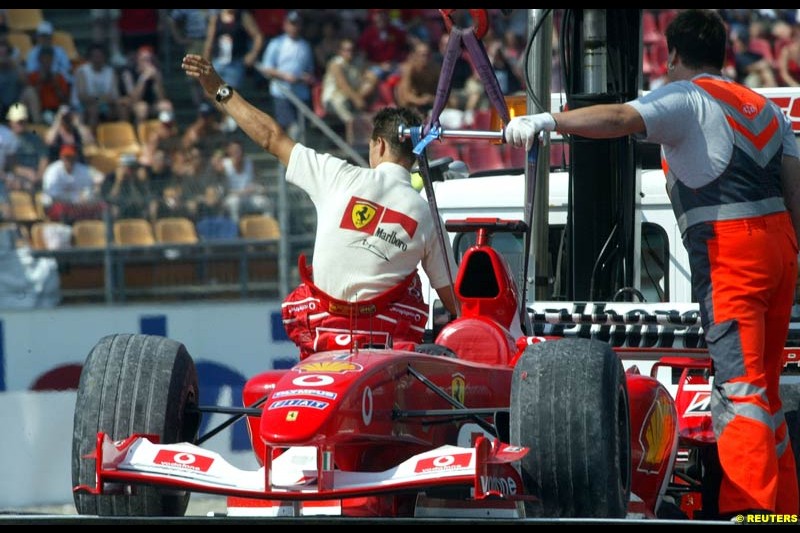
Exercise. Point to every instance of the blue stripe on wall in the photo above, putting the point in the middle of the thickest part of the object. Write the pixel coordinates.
(2, 358)
(153, 325)
(278, 331)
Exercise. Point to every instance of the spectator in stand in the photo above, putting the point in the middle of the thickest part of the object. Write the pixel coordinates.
(750, 68)
(233, 42)
(243, 195)
(419, 77)
(384, 44)
(70, 191)
(166, 137)
(288, 63)
(171, 203)
(270, 22)
(46, 89)
(347, 87)
(105, 30)
(159, 173)
(96, 90)
(206, 132)
(126, 190)
(144, 86)
(328, 44)
(188, 28)
(29, 156)
(60, 60)
(12, 78)
(139, 28)
(788, 60)
(68, 129)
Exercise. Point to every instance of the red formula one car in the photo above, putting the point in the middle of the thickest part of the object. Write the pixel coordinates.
(484, 422)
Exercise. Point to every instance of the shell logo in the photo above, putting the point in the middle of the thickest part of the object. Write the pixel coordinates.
(336, 367)
(657, 434)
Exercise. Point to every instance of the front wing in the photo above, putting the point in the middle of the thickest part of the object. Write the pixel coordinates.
(302, 472)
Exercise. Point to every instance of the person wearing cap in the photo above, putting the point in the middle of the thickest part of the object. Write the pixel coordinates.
(44, 38)
(205, 132)
(373, 231)
(28, 159)
(288, 64)
(70, 190)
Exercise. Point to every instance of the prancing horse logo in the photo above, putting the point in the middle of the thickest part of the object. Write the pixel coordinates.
(362, 214)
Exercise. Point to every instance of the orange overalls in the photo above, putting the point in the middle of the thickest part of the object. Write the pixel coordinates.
(317, 322)
(743, 256)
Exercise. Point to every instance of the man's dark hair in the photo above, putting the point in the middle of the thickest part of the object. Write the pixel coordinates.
(386, 125)
(699, 37)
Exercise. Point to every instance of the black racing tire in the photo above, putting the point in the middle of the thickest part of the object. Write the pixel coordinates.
(569, 405)
(133, 383)
(434, 349)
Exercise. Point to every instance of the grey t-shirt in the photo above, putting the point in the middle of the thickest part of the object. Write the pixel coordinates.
(691, 128)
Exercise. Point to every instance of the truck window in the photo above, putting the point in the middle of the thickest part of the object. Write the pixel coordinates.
(654, 274)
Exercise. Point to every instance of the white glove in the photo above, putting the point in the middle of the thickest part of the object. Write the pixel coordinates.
(522, 131)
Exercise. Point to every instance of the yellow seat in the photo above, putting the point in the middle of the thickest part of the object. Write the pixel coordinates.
(105, 162)
(259, 227)
(47, 235)
(145, 129)
(118, 137)
(89, 233)
(175, 230)
(23, 208)
(65, 40)
(23, 19)
(22, 42)
(133, 232)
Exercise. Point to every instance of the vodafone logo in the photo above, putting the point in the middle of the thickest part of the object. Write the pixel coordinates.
(456, 461)
(312, 380)
(183, 460)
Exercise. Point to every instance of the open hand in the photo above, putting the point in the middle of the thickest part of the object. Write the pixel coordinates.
(201, 68)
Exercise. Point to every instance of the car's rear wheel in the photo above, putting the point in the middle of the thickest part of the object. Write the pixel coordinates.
(132, 383)
(569, 405)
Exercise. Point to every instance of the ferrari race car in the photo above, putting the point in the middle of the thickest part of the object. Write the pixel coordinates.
(484, 421)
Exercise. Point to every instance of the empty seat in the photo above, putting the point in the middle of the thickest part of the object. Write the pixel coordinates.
(22, 42)
(89, 234)
(23, 19)
(105, 162)
(65, 40)
(118, 137)
(133, 232)
(23, 208)
(175, 230)
(259, 227)
(482, 156)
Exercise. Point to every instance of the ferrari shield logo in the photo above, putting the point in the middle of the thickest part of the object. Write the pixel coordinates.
(362, 214)
(291, 416)
(458, 388)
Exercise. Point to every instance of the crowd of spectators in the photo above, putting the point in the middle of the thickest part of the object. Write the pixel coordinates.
(344, 63)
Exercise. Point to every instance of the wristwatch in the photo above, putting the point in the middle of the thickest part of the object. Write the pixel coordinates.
(224, 93)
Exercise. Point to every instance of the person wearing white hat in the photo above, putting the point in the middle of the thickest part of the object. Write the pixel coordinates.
(44, 38)
(29, 158)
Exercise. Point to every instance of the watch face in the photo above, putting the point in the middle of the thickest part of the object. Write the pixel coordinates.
(223, 93)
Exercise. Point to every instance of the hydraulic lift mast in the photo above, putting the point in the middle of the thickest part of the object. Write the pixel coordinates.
(601, 51)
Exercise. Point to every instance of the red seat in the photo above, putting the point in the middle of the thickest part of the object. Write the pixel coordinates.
(438, 150)
(316, 100)
(482, 156)
(650, 31)
(514, 157)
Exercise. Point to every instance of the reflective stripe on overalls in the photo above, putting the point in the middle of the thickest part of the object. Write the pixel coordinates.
(743, 256)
